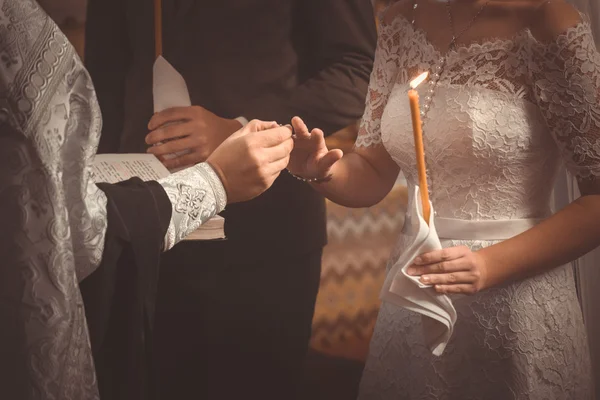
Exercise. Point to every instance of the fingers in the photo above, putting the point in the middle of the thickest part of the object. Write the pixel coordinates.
(317, 136)
(328, 160)
(456, 289)
(272, 137)
(455, 278)
(184, 161)
(452, 270)
(258, 126)
(439, 268)
(173, 146)
(300, 129)
(279, 152)
(170, 115)
(274, 169)
(275, 159)
(169, 132)
(438, 256)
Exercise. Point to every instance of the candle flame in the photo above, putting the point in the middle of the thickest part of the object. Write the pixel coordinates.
(418, 80)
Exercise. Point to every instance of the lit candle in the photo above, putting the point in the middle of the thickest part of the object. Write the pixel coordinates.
(415, 111)
(158, 36)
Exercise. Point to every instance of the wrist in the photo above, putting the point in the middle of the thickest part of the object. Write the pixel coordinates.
(316, 181)
(234, 125)
(216, 183)
(487, 271)
(221, 177)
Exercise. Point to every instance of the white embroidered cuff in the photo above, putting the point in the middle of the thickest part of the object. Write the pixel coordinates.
(196, 195)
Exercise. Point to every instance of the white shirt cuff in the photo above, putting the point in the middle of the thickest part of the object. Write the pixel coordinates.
(242, 121)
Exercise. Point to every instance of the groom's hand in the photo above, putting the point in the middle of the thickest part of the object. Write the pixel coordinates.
(249, 161)
(194, 129)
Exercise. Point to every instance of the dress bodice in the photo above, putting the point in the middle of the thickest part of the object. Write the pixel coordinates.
(504, 115)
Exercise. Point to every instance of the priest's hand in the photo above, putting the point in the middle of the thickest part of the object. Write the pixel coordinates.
(192, 129)
(311, 159)
(249, 161)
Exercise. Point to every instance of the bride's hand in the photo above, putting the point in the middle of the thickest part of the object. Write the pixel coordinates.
(310, 158)
(452, 270)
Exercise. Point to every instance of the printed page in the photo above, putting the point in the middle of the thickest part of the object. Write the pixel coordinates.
(113, 168)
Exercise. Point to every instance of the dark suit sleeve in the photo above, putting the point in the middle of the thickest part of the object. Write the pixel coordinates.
(336, 42)
(107, 58)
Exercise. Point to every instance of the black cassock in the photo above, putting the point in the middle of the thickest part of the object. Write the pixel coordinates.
(78, 261)
(120, 295)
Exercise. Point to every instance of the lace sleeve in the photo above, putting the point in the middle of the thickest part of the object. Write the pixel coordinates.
(196, 195)
(380, 85)
(566, 81)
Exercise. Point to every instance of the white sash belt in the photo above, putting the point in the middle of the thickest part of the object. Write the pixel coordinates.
(461, 229)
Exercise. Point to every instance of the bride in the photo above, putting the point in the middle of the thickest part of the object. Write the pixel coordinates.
(514, 91)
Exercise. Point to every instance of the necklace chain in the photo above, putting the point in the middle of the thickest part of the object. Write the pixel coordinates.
(455, 37)
(440, 67)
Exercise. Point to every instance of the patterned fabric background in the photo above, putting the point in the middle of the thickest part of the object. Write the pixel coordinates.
(360, 241)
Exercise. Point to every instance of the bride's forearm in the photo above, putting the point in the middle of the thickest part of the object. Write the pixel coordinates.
(356, 182)
(562, 238)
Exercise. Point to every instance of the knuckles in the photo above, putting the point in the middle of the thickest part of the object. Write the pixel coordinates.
(254, 125)
(445, 254)
(264, 180)
(441, 267)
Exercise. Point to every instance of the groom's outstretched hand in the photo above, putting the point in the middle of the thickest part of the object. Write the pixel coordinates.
(311, 159)
(249, 161)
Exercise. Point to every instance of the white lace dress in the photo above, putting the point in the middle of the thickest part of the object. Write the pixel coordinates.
(505, 114)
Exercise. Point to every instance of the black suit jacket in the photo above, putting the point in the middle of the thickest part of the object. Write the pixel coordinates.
(264, 59)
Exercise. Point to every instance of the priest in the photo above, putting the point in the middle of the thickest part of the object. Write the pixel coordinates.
(79, 261)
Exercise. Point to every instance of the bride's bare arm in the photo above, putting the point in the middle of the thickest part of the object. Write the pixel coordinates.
(564, 237)
(363, 177)
(358, 179)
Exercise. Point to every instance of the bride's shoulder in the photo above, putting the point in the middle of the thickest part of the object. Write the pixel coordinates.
(552, 18)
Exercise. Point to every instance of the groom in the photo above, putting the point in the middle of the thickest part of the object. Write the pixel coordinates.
(235, 317)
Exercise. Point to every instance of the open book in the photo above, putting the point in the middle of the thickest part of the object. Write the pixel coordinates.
(113, 168)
